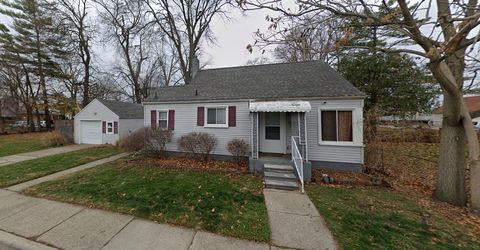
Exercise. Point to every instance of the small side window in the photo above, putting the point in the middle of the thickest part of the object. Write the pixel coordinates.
(109, 127)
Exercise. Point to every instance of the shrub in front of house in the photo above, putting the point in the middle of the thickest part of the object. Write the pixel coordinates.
(152, 141)
(55, 139)
(134, 141)
(199, 145)
(238, 148)
(156, 140)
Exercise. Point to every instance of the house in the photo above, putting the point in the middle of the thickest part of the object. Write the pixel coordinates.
(105, 122)
(276, 108)
(473, 105)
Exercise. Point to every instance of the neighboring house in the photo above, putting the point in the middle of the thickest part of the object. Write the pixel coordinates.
(105, 122)
(269, 107)
(473, 105)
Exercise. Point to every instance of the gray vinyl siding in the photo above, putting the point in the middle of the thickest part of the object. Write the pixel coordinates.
(332, 153)
(128, 126)
(186, 122)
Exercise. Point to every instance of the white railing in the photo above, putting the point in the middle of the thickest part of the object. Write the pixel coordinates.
(298, 160)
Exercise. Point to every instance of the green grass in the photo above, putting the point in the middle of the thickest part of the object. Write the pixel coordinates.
(378, 219)
(232, 205)
(27, 170)
(21, 143)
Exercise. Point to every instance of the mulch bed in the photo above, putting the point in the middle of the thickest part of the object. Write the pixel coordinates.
(182, 163)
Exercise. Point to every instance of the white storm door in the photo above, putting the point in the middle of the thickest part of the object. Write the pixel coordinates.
(272, 132)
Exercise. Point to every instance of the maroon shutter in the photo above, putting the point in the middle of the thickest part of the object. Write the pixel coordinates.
(171, 119)
(115, 127)
(104, 127)
(232, 116)
(200, 116)
(153, 118)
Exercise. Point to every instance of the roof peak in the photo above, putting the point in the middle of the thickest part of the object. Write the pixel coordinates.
(260, 65)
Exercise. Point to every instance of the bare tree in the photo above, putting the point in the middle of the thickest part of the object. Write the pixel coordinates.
(186, 23)
(304, 38)
(128, 28)
(74, 16)
(445, 40)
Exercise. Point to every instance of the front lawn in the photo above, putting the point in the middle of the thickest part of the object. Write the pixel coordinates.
(22, 143)
(369, 218)
(227, 203)
(27, 170)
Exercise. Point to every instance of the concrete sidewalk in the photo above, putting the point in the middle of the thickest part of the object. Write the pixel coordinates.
(295, 222)
(67, 226)
(5, 160)
(25, 185)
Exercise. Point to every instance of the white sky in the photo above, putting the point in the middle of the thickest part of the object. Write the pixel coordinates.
(232, 39)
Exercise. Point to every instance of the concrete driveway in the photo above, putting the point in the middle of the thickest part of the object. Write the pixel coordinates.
(5, 160)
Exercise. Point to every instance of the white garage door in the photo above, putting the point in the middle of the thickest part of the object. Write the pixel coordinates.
(91, 132)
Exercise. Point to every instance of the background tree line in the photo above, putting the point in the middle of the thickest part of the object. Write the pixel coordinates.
(49, 55)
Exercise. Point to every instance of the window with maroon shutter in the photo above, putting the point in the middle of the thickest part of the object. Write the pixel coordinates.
(171, 119)
(232, 116)
(115, 127)
(104, 127)
(200, 116)
(153, 118)
(110, 128)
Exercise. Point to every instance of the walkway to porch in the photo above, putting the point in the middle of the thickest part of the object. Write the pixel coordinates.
(306, 228)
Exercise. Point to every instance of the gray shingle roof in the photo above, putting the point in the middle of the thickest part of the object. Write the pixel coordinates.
(261, 82)
(123, 109)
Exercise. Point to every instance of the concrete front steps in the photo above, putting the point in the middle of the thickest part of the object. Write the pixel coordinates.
(280, 177)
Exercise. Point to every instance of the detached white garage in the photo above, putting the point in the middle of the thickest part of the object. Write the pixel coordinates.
(105, 122)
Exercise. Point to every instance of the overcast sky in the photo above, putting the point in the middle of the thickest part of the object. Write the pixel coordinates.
(231, 39)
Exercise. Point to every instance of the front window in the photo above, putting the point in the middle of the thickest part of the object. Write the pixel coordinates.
(336, 125)
(217, 116)
(162, 119)
(109, 127)
(272, 126)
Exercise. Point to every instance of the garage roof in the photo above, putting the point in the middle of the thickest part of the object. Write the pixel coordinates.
(124, 110)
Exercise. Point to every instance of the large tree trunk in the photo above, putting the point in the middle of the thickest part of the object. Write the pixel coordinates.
(451, 165)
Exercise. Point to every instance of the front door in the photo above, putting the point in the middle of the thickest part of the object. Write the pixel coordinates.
(272, 132)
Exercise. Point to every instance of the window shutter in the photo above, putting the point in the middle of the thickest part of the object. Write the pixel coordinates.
(153, 118)
(171, 119)
(232, 116)
(200, 116)
(104, 127)
(115, 127)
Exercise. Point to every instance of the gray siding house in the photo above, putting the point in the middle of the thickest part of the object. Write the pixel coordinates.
(278, 109)
(105, 122)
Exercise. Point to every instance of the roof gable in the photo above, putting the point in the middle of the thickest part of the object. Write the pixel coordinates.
(124, 110)
(261, 82)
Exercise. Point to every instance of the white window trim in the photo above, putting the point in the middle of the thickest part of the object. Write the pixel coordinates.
(113, 128)
(158, 117)
(354, 141)
(205, 116)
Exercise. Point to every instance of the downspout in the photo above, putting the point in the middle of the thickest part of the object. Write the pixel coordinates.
(306, 141)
